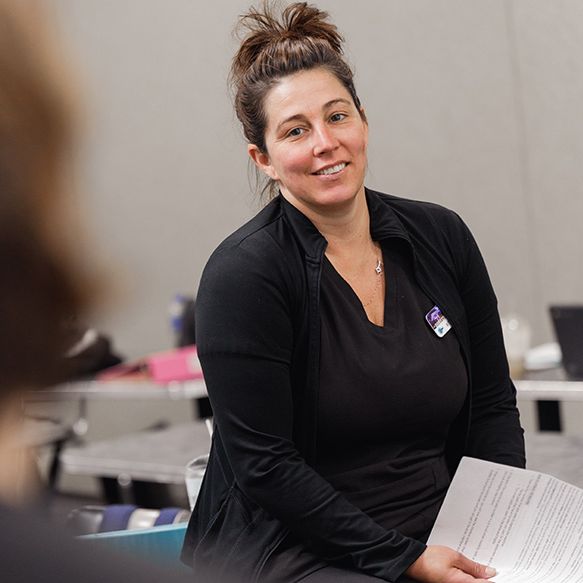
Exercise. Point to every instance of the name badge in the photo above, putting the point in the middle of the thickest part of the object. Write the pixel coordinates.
(438, 322)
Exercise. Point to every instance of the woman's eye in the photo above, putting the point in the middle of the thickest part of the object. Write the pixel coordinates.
(295, 132)
(337, 116)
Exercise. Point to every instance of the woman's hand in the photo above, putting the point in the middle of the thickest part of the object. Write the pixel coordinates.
(444, 565)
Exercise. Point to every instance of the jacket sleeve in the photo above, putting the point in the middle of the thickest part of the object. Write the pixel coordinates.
(245, 340)
(495, 431)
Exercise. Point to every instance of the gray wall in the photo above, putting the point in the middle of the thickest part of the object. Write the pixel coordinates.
(474, 104)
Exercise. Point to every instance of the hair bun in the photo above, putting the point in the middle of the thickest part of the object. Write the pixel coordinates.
(301, 20)
(265, 33)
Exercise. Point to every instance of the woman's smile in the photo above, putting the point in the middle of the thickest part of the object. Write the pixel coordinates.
(333, 170)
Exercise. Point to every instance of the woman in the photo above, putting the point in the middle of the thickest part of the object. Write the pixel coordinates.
(350, 343)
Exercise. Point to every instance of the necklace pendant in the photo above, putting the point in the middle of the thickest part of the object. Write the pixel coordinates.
(379, 267)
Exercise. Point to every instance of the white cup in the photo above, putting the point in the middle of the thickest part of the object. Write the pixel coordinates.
(193, 476)
(516, 331)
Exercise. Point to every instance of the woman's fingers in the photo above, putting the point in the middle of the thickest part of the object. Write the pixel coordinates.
(444, 565)
(476, 570)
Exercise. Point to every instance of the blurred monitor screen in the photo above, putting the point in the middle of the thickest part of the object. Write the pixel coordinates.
(568, 325)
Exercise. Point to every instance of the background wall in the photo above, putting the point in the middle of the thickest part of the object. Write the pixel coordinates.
(474, 104)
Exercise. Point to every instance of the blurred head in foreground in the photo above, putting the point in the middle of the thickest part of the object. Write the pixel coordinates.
(40, 288)
(39, 291)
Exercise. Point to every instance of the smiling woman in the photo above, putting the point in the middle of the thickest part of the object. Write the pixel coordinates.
(341, 408)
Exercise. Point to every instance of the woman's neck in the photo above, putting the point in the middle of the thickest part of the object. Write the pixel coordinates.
(346, 228)
(347, 234)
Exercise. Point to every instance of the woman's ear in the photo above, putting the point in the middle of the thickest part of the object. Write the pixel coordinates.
(365, 122)
(363, 115)
(262, 161)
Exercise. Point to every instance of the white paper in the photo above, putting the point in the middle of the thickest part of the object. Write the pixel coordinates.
(525, 524)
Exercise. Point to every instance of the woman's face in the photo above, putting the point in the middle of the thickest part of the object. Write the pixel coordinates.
(316, 142)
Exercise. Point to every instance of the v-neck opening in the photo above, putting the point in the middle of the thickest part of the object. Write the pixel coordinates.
(390, 292)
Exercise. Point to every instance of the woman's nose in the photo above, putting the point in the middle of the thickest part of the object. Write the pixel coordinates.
(324, 140)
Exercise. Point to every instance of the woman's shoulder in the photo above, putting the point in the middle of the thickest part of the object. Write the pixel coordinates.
(261, 249)
(421, 210)
(431, 227)
(254, 241)
(255, 230)
(428, 221)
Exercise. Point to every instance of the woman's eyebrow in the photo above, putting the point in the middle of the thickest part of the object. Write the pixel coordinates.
(296, 117)
(333, 102)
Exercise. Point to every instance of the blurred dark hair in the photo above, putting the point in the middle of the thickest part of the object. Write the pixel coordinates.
(40, 289)
(274, 46)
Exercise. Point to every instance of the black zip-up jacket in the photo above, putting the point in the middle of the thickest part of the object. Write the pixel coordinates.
(258, 337)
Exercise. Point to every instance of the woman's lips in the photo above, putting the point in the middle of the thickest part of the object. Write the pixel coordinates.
(331, 170)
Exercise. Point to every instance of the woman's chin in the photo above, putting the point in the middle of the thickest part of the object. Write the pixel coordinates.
(331, 198)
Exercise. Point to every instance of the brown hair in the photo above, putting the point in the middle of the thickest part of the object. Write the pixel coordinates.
(39, 288)
(274, 46)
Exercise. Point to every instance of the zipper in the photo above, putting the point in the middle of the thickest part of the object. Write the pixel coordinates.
(315, 266)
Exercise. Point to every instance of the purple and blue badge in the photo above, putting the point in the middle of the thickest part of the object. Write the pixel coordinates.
(438, 322)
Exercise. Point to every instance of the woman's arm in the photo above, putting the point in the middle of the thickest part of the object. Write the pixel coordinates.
(495, 431)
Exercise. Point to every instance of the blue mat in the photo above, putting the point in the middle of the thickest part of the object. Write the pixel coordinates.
(161, 544)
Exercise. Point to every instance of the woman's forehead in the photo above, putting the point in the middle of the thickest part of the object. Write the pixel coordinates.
(303, 94)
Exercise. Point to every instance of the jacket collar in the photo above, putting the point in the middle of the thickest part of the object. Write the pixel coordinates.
(384, 223)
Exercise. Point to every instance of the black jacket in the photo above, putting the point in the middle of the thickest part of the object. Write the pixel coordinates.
(258, 327)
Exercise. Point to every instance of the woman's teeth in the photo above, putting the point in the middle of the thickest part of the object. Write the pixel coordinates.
(333, 169)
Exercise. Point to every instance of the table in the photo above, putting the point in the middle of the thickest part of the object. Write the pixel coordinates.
(151, 456)
(82, 391)
(551, 384)
(139, 467)
(86, 390)
(122, 389)
(547, 388)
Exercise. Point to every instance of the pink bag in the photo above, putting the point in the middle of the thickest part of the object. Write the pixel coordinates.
(180, 364)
